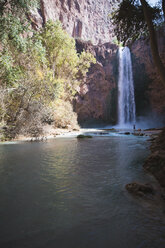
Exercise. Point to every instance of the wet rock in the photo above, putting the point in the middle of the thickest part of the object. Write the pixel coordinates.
(103, 133)
(81, 136)
(138, 134)
(110, 129)
(139, 189)
(76, 129)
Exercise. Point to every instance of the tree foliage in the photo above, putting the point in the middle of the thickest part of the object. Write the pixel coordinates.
(13, 21)
(37, 68)
(63, 62)
(129, 21)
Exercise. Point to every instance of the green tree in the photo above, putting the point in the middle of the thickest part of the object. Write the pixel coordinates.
(132, 20)
(13, 21)
(66, 67)
(40, 77)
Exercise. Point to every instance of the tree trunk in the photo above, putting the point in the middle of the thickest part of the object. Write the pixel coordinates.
(163, 8)
(153, 42)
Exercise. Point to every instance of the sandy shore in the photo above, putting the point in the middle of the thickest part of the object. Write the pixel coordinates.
(49, 132)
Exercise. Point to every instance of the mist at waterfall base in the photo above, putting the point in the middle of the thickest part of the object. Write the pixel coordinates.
(126, 110)
(151, 120)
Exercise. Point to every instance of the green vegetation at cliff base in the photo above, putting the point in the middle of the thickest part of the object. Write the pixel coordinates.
(40, 74)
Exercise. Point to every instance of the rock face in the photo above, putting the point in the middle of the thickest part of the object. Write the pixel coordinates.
(149, 91)
(139, 189)
(86, 19)
(97, 97)
(88, 22)
(155, 163)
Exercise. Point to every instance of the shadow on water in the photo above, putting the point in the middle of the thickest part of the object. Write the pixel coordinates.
(70, 193)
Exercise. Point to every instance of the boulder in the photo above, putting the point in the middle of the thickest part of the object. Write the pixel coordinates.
(81, 136)
(139, 189)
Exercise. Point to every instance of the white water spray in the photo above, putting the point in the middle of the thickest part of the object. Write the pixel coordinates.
(126, 98)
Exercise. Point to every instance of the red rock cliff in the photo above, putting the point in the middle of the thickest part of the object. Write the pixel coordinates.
(86, 19)
(147, 80)
(97, 97)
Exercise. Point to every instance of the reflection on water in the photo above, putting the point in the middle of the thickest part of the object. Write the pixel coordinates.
(70, 193)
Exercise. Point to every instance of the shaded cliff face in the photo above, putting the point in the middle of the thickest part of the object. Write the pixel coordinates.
(97, 97)
(149, 91)
(86, 19)
(88, 22)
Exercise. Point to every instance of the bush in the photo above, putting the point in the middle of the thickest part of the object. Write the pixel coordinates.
(39, 76)
(64, 116)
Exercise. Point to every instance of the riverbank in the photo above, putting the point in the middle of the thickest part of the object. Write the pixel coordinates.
(50, 132)
(155, 163)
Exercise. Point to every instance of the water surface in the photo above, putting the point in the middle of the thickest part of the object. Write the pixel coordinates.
(70, 193)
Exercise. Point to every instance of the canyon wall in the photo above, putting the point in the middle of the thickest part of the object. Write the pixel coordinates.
(149, 91)
(85, 19)
(88, 22)
(97, 96)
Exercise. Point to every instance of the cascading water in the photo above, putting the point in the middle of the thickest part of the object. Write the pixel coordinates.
(126, 99)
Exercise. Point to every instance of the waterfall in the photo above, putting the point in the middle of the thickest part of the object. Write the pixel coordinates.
(126, 99)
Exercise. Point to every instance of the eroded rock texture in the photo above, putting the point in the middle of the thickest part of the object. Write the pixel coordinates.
(86, 19)
(155, 163)
(149, 91)
(139, 189)
(97, 97)
(88, 22)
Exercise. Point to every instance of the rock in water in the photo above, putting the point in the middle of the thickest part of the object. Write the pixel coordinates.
(139, 189)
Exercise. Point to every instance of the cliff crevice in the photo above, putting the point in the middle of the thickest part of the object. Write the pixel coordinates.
(85, 19)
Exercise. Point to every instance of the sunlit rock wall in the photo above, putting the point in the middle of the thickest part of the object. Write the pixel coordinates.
(97, 99)
(86, 19)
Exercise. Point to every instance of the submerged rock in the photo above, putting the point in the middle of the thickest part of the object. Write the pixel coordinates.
(103, 133)
(81, 136)
(138, 134)
(139, 189)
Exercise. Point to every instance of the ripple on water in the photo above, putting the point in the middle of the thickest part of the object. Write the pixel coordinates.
(75, 189)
